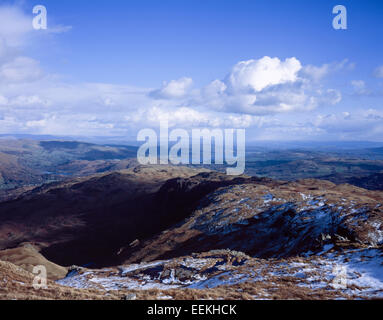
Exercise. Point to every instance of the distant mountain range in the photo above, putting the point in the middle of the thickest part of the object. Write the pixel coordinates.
(32, 162)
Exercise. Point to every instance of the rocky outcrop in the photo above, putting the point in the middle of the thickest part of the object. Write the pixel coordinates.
(272, 221)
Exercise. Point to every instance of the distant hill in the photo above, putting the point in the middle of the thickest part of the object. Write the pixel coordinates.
(30, 162)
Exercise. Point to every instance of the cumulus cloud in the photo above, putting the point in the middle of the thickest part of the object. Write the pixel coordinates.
(258, 87)
(242, 99)
(281, 99)
(256, 75)
(173, 89)
(269, 86)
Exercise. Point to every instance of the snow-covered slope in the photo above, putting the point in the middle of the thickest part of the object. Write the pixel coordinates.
(351, 273)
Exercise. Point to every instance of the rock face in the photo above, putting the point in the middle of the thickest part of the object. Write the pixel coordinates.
(272, 220)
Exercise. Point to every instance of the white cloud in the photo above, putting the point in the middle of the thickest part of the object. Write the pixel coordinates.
(28, 101)
(357, 125)
(48, 104)
(15, 25)
(256, 75)
(281, 100)
(17, 34)
(360, 87)
(20, 69)
(174, 89)
(185, 117)
(363, 124)
(317, 73)
(269, 86)
(330, 97)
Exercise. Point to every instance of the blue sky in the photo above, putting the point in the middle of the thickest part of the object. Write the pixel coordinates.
(113, 67)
